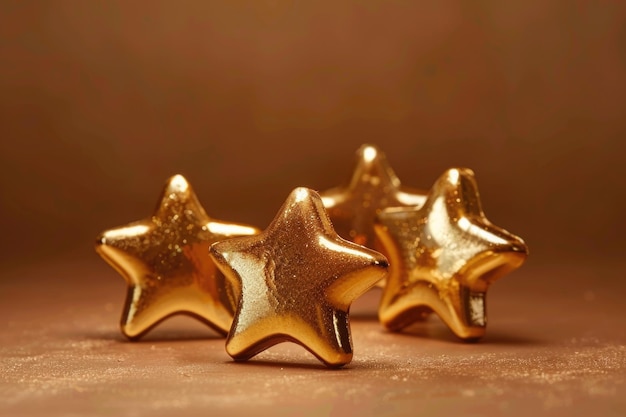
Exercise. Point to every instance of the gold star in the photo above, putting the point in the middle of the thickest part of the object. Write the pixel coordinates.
(297, 281)
(374, 186)
(443, 257)
(165, 261)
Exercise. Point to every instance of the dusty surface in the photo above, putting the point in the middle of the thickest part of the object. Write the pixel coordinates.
(555, 345)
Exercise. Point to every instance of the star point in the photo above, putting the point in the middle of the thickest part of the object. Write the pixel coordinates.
(373, 187)
(163, 260)
(444, 255)
(297, 280)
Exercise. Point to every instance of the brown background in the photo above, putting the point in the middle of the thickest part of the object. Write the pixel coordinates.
(101, 101)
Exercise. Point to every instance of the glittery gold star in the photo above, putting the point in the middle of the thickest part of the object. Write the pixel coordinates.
(374, 186)
(297, 281)
(443, 257)
(165, 261)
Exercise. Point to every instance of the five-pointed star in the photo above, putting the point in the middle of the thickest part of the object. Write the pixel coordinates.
(443, 257)
(374, 186)
(165, 262)
(297, 281)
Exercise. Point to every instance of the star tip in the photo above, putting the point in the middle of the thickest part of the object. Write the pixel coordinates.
(132, 337)
(383, 263)
(464, 170)
(471, 339)
(303, 193)
(334, 360)
(220, 252)
(177, 183)
(368, 146)
(455, 175)
(339, 365)
(101, 240)
(521, 247)
(368, 152)
(178, 177)
(214, 250)
(236, 353)
(105, 239)
(379, 260)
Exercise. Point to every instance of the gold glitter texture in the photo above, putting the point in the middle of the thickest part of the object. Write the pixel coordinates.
(165, 262)
(374, 186)
(297, 281)
(443, 256)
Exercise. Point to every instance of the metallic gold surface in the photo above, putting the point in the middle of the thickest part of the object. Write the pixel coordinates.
(297, 281)
(374, 186)
(443, 256)
(165, 262)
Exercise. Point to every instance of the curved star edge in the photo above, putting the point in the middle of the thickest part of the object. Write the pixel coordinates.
(472, 279)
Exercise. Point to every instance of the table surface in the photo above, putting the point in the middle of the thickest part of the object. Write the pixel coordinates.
(555, 345)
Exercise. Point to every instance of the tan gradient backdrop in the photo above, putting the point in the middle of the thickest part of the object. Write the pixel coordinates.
(101, 101)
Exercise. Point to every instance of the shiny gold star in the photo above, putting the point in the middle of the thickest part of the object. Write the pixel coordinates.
(297, 281)
(443, 257)
(165, 261)
(374, 186)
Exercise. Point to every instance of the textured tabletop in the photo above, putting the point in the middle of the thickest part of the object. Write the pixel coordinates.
(555, 345)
